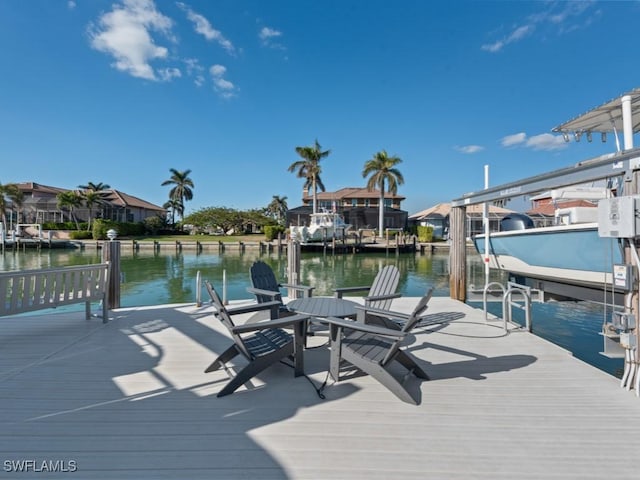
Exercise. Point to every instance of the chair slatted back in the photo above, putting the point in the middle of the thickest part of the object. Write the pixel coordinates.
(413, 320)
(223, 315)
(262, 277)
(385, 283)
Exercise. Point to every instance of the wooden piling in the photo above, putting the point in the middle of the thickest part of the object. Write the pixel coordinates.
(458, 255)
(111, 254)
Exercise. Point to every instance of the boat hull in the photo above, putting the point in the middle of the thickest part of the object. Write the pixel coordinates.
(571, 254)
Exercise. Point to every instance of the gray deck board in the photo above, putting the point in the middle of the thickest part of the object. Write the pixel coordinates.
(130, 400)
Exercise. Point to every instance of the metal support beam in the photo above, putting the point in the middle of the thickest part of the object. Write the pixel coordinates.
(599, 168)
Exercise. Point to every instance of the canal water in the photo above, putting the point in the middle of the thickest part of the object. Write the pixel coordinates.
(152, 278)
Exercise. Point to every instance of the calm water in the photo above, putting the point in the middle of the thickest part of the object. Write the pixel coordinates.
(167, 277)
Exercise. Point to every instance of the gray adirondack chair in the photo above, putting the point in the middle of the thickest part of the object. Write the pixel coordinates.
(376, 350)
(381, 292)
(266, 287)
(262, 343)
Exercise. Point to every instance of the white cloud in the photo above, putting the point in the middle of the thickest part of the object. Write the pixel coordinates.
(515, 36)
(544, 141)
(168, 74)
(125, 34)
(71, 4)
(515, 139)
(204, 28)
(268, 36)
(224, 87)
(469, 149)
(558, 18)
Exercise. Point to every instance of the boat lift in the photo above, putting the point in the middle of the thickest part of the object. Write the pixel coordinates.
(619, 114)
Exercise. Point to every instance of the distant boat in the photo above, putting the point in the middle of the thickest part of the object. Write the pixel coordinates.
(324, 225)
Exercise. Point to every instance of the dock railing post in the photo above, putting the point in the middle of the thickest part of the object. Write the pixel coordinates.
(293, 267)
(111, 254)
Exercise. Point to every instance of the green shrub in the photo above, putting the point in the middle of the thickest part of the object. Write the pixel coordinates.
(271, 231)
(80, 235)
(425, 234)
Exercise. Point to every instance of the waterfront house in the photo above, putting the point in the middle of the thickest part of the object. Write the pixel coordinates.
(40, 205)
(437, 217)
(358, 206)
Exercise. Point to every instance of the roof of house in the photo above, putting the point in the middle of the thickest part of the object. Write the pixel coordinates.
(549, 209)
(351, 192)
(115, 197)
(442, 210)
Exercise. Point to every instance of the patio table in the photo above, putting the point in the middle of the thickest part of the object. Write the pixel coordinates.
(322, 307)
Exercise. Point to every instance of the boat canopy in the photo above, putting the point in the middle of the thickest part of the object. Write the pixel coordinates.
(608, 117)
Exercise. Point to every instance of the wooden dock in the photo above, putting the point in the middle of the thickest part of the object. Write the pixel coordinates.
(129, 400)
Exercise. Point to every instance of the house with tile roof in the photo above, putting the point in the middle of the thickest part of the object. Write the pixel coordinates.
(437, 217)
(358, 206)
(40, 205)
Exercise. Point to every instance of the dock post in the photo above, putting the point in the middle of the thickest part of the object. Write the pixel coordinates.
(293, 267)
(458, 255)
(111, 254)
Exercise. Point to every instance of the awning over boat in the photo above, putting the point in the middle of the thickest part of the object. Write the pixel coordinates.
(605, 117)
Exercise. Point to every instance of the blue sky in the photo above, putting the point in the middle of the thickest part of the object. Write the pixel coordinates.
(121, 91)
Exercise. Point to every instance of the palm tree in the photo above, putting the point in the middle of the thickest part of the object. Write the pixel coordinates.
(95, 187)
(181, 190)
(91, 199)
(173, 205)
(309, 168)
(278, 209)
(70, 200)
(10, 197)
(382, 169)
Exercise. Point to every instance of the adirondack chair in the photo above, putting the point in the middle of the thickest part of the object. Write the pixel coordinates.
(380, 293)
(375, 350)
(262, 343)
(267, 289)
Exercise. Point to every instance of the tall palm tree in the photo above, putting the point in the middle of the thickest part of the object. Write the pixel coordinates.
(309, 168)
(70, 200)
(181, 190)
(382, 168)
(278, 209)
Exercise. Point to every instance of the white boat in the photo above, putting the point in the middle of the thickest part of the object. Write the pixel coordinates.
(324, 225)
(571, 258)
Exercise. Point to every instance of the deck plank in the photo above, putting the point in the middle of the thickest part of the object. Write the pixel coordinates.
(129, 399)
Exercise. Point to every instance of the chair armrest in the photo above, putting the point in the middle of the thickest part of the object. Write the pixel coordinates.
(339, 291)
(253, 307)
(363, 327)
(383, 313)
(306, 288)
(266, 293)
(277, 323)
(375, 298)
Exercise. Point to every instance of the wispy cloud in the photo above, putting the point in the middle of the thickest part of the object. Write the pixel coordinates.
(204, 28)
(71, 4)
(125, 34)
(224, 87)
(544, 141)
(559, 17)
(195, 70)
(469, 149)
(269, 38)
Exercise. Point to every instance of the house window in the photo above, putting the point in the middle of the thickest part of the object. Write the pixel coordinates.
(366, 202)
(354, 202)
(388, 202)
